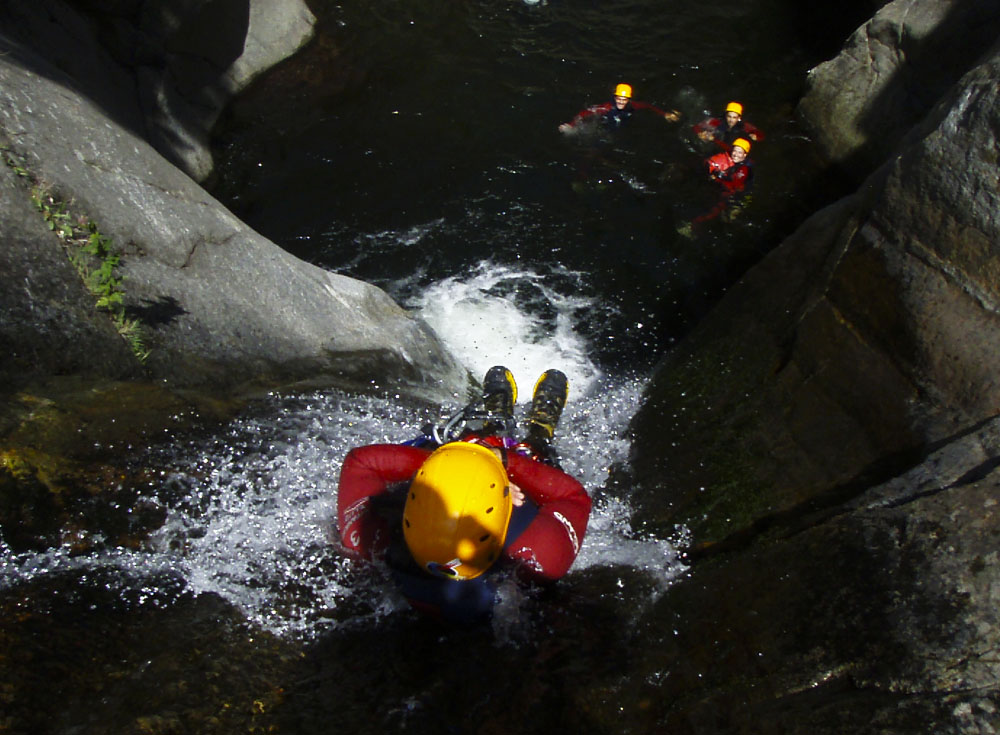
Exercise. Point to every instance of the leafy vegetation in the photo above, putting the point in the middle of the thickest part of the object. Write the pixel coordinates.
(91, 253)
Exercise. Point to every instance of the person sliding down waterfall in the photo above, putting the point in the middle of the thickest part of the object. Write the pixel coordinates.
(456, 511)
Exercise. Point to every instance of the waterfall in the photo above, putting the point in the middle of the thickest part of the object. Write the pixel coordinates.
(250, 511)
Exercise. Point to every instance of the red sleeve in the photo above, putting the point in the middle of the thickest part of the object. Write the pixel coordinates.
(757, 133)
(366, 473)
(550, 543)
(736, 180)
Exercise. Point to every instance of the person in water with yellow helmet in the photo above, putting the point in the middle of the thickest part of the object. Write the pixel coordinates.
(454, 513)
(732, 171)
(616, 113)
(725, 130)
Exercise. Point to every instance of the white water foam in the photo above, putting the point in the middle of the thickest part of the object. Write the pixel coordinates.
(493, 317)
(250, 515)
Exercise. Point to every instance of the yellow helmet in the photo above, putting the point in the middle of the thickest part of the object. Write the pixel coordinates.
(457, 511)
(735, 107)
(623, 90)
(742, 143)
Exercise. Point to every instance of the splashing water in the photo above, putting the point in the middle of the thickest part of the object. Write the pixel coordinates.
(500, 315)
(250, 514)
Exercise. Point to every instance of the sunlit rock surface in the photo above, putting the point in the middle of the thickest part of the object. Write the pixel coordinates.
(45, 304)
(890, 73)
(162, 68)
(220, 305)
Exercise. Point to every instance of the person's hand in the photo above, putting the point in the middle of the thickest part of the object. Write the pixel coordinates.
(672, 115)
(516, 495)
(565, 128)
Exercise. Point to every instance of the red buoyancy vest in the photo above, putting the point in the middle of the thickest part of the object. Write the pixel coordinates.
(719, 163)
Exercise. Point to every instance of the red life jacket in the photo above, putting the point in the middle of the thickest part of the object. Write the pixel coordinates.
(718, 163)
(732, 177)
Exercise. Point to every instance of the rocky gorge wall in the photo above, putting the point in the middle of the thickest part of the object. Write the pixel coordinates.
(829, 435)
(892, 71)
(105, 111)
(163, 70)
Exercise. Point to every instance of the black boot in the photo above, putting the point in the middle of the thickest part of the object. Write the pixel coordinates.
(547, 402)
(499, 397)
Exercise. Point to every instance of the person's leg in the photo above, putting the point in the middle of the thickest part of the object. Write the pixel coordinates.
(547, 403)
(499, 397)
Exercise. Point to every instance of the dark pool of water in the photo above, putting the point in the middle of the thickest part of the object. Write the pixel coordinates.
(421, 138)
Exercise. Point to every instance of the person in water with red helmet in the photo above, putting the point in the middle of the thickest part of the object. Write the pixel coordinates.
(725, 130)
(732, 171)
(614, 114)
(457, 511)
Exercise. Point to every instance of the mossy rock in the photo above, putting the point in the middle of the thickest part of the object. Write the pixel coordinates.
(68, 469)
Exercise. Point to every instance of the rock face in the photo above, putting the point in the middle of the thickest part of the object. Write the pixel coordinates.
(890, 73)
(164, 69)
(879, 318)
(220, 304)
(45, 306)
(879, 619)
(829, 438)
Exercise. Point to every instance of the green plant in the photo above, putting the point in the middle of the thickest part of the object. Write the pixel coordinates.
(104, 283)
(12, 161)
(53, 212)
(91, 253)
(132, 332)
(97, 262)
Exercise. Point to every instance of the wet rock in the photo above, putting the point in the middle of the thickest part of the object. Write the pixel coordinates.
(222, 308)
(865, 338)
(891, 73)
(828, 435)
(163, 69)
(135, 662)
(878, 619)
(68, 477)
